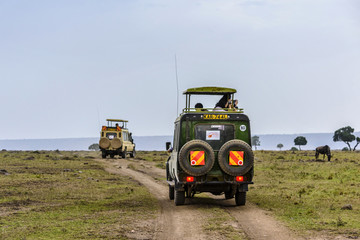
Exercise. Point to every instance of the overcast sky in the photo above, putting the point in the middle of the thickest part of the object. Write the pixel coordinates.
(66, 66)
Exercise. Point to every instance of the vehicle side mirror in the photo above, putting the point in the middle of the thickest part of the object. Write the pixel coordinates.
(168, 145)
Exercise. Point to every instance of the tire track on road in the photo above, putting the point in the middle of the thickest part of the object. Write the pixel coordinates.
(173, 222)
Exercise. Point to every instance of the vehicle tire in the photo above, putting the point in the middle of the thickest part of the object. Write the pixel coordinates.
(240, 198)
(229, 194)
(112, 155)
(104, 143)
(184, 157)
(116, 143)
(179, 197)
(171, 192)
(103, 154)
(123, 154)
(133, 153)
(235, 145)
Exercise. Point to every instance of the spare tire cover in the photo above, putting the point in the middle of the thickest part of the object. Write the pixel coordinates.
(236, 157)
(196, 157)
(116, 143)
(104, 143)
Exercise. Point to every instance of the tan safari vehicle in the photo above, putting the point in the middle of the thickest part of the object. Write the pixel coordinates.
(115, 139)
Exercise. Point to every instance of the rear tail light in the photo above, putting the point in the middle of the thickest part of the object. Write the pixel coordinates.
(239, 178)
(189, 179)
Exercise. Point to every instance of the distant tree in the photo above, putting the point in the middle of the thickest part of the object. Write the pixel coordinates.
(294, 149)
(94, 147)
(280, 146)
(357, 142)
(346, 135)
(300, 141)
(255, 141)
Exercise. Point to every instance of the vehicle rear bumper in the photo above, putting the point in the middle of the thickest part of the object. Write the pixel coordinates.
(211, 186)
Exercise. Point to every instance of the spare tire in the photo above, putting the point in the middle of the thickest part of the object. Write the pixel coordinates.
(104, 143)
(116, 143)
(236, 157)
(200, 162)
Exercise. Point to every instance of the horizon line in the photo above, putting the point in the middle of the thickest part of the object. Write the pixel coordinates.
(159, 136)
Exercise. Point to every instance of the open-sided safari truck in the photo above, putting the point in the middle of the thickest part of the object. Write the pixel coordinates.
(211, 150)
(115, 139)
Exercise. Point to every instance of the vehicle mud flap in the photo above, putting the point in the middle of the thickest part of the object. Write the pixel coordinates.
(240, 198)
(236, 157)
(116, 143)
(104, 143)
(196, 157)
(171, 192)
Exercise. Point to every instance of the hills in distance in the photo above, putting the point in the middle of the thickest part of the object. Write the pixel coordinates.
(157, 143)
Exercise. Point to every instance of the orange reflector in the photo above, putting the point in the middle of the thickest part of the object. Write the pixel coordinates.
(236, 158)
(197, 158)
(239, 178)
(104, 128)
(189, 179)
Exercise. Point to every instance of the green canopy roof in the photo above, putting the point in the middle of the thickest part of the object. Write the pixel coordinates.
(210, 91)
(116, 120)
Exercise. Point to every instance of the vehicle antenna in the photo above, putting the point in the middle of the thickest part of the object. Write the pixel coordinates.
(177, 88)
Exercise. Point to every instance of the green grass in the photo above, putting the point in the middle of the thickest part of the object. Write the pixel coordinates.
(309, 194)
(158, 157)
(66, 195)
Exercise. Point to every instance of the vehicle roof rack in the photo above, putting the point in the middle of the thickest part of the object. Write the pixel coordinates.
(210, 91)
(207, 91)
(116, 120)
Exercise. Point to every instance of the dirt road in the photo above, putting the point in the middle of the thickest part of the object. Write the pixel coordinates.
(174, 222)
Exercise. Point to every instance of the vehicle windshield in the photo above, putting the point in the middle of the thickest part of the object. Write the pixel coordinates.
(111, 135)
(213, 103)
(214, 134)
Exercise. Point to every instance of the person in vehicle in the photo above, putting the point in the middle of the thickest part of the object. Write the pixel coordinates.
(223, 102)
(233, 104)
(130, 138)
(199, 107)
(236, 104)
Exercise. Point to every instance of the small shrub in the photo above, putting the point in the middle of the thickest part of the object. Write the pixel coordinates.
(345, 149)
(294, 149)
(340, 222)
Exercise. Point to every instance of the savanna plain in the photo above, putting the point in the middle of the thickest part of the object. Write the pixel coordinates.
(73, 195)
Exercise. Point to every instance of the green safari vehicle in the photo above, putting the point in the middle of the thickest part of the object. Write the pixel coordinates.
(211, 150)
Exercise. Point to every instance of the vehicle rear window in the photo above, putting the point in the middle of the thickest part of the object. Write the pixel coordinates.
(215, 135)
(111, 135)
